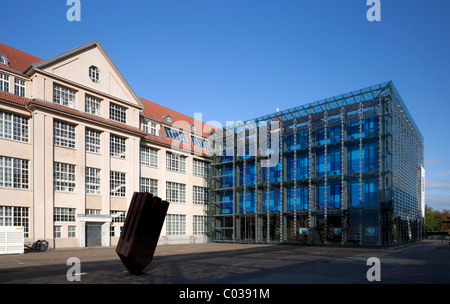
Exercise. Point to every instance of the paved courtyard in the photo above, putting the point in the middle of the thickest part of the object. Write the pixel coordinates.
(424, 263)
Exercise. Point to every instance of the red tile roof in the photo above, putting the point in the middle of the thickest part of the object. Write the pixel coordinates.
(15, 98)
(18, 61)
(157, 112)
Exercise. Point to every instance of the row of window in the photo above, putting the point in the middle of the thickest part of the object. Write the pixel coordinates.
(19, 216)
(67, 97)
(19, 85)
(14, 173)
(175, 225)
(64, 180)
(180, 136)
(64, 136)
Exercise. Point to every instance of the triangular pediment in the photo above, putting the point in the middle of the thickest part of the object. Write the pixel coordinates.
(90, 66)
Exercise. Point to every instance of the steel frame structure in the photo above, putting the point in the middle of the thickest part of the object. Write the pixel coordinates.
(364, 157)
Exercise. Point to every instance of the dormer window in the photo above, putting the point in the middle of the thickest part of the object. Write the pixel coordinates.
(168, 118)
(3, 59)
(193, 128)
(94, 74)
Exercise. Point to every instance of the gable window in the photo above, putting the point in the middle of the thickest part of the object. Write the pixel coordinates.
(19, 87)
(4, 83)
(92, 105)
(117, 113)
(168, 118)
(3, 59)
(64, 96)
(175, 135)
(94, 74)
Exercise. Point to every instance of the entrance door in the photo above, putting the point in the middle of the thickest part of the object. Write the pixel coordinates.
(93, 235)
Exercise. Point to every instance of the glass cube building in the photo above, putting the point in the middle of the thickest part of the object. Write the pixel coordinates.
(343, 170)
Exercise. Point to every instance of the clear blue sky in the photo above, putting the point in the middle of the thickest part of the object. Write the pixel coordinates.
(240, 59)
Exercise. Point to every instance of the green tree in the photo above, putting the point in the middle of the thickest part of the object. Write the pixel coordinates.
(432, 219)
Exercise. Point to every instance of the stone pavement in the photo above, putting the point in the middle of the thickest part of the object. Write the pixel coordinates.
(219, 263)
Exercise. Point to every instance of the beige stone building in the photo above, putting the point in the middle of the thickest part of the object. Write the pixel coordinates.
(76, 143)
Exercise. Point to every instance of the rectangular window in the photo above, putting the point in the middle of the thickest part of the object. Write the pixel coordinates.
(63, 214)
(200, 168)
(4, 83)
(57, 232)
(154, 129)
(149, 157)
(149, 185)
(15, 216)
(19, 87)
(92, 105)
(118, 216)
(175, 224)
(64, 96)
(117, 146)
(13, 127)
(63, 134)
(200, 195)
(92, 181)
(175, 135)
(144, 125)
(175, 162)
(175, 192)
(13, 173)
(117, 184)
(64, 177)
(117, 113)
(72, 231)
(199, 224)
(92, 211)
(92, 141)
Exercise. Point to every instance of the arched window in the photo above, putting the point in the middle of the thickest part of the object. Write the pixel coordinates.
(168, 118)
(3, 59)
(94, 74)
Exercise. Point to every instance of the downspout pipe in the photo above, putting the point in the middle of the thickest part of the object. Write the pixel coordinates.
(32, 190)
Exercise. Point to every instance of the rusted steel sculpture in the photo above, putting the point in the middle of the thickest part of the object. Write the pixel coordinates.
(141, 230)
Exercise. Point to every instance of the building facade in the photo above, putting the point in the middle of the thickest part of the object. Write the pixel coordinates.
(344, 170)
(76, 143)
